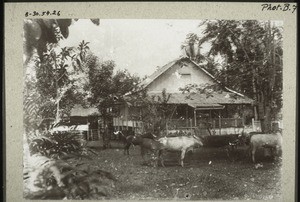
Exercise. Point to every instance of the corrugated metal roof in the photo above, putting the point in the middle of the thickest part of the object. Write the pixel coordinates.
(78, 110)
(204, 100)
(60, 128)
(81, 127)
(68, 128)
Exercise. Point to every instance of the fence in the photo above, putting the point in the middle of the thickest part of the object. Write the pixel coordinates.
(206, 123)
(220, 122)
(210, 126)
(99, 135)
(256, 126)
(93, 135)
(213, 126)
(174, 124)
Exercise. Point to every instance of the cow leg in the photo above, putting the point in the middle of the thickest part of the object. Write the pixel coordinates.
(182, 157)
(160, 154)
(253, 154)
(275, 154)
(155, 158)
(249, 152)
(126, 149)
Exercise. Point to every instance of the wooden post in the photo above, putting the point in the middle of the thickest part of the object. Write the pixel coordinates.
(98, 130)
(167, 128)
(195, 117)
(133, 125)
(89, 135)
(186, 116)
(220, 123)
(126, 123)
(253, 127)
(243, 121)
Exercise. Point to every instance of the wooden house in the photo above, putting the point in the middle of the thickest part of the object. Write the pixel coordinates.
(86, 119)
(82, 120)
(219, 108)
(80, 116)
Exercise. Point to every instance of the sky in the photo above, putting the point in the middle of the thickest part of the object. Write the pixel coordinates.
(137, 45)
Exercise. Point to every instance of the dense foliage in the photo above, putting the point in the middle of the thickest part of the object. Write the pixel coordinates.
(54, 84)
(251, 52)
(40, 32)
(49, 174)
(55, 145)
(106, 86)
(154, 111)
(55, 79)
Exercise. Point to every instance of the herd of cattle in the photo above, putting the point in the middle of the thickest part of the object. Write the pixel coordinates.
(158, 145)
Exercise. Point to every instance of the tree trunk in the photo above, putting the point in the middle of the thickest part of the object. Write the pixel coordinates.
(272, 72)
(267, 120)
(57, 112)
(254, 92)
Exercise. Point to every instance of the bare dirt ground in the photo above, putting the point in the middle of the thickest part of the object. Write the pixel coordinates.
(208, 174)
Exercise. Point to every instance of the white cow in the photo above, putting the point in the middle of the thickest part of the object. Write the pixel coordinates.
(181, 143)
(273, 141)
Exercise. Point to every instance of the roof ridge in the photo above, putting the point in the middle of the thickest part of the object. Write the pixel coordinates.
(159, 72)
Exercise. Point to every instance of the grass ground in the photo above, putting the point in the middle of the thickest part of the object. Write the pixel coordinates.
(208, 174)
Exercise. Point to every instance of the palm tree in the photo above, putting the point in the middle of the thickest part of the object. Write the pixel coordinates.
(39, 32)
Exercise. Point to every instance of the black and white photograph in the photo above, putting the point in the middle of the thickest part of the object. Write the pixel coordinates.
(152, 108)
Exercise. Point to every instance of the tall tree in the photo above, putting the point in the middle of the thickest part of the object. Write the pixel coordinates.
(252, 51)
(58, 82)
(37, 33)
(106, 86)
(192, 48)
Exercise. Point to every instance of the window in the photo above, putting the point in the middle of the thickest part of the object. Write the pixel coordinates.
(186, 76)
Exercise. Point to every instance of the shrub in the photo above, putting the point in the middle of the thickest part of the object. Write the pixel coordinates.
(56, 145)
(49, 175)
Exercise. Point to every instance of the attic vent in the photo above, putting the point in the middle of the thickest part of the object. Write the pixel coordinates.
(185, 74)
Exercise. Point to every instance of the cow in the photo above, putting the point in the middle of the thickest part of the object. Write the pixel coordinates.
(129, 138)
(272, 141)
(181, 143)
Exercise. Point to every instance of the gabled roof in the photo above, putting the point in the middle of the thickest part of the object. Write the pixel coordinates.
(163, 69)
(158, 72)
